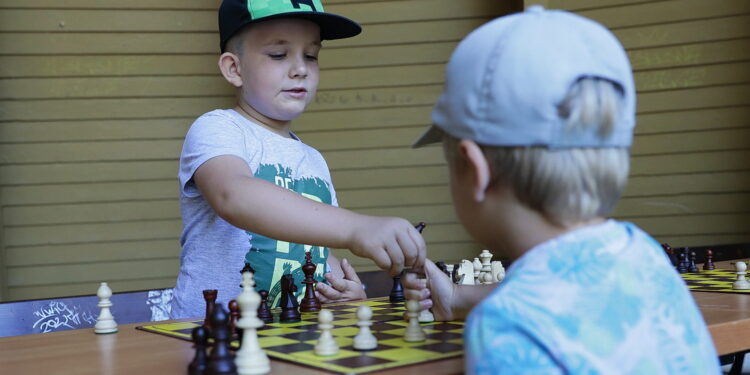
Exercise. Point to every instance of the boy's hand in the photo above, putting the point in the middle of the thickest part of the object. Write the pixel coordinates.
(438, 295)
(392, 243)
(348, 288)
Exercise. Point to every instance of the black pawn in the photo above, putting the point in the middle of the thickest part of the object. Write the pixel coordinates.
(397, 292)
(709, 264)
(681, 266)
(264, 312)
(200, 341)
(221, 361)
(670, 253)
(692, 267)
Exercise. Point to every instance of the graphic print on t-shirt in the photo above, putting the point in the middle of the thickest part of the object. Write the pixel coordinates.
(272, 258)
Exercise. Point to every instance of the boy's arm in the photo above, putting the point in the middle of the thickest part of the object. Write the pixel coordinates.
(344, 283)
(262, 207)
(447, 300)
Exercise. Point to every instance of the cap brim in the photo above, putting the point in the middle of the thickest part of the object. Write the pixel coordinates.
(433, 134)
(332, 26)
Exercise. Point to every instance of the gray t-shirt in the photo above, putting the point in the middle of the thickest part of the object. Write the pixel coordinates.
(214, 251)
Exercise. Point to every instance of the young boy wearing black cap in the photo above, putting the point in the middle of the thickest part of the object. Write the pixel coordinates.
(251, 191)
(536, 121)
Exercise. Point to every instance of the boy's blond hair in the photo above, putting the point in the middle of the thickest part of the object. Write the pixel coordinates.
(566, 185)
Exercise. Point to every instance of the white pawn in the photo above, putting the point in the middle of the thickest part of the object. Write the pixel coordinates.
(741, 282)
(326, 345)
(413, 332)
(364, 340)
(498, 271)
(250, 358)
(105, 323)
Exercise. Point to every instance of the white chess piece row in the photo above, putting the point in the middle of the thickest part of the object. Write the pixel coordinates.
(485, 271)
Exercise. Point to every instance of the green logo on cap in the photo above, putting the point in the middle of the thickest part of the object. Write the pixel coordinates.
(264, 8)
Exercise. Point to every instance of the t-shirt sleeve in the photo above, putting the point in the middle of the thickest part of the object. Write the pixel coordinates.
(211, 135)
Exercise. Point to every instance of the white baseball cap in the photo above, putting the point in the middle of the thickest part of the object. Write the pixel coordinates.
(506, 79)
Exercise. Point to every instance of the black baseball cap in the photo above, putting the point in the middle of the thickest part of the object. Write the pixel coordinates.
(236, 14)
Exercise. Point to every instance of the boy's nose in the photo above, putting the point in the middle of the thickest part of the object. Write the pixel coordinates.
(298, 68)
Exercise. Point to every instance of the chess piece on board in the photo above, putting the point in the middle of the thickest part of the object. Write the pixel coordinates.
(221, 360)
(200, 341)
(420, 226)
(709, 264)
(466, 273)
(691, 266)
(477, 266)
(247, 268)
(741, 282)
(234, 316)
(264, 311)
(485, 273)
(209, 295)
(498, 271)
(310, 302)
(681, 263)
(443, 267)
(250, 358)
(397, 291)
(670, 253)
(105, 323)
(413, 332)
(364, 340)
(289, 306)
(326, 345)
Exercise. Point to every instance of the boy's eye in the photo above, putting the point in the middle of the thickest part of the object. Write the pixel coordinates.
(312, 57)
(277, 56)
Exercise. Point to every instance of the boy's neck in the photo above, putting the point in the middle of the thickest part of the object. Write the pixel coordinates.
(282, 128)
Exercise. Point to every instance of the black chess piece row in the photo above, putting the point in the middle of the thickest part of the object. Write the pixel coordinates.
(683, 259)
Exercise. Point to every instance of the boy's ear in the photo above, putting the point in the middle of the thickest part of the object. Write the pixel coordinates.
(476, 166)
(229, 64)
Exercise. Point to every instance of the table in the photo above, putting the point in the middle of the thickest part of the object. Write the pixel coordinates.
(136, 352)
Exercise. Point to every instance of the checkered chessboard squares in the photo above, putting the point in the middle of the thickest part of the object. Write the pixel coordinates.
(712, 281)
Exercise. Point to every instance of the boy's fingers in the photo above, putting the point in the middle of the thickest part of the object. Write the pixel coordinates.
(337, 283)
(397, 258)
(329, 292)
(321, 297)
(349, 272)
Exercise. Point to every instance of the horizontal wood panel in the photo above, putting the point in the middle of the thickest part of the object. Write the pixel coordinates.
(699, 239)
(697, 204)
(89, 192)
(109, 212)
(672, 226)
(710, 52)
(204, 20)
(706, 140)
(579, 5)
(192, 43)
(88, 288)
(94, 4)
(685, 32)
(91, 151)
(91, 252)
(213, 85)
(718, 161)
(685, 99)
(694, 76)
(397, 196)
(690, 183)
(91, 232)
(662, 12)
(91, 272)
(692, 120)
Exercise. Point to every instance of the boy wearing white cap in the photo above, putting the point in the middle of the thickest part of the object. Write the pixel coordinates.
(251, 191)
(536, 121)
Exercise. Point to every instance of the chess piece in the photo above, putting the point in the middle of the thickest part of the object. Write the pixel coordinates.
(221, 361)
(498, 271)
(105, 323)
(413, 332)
(326, 345)
(443, 267)
(289, 306)
(209, 295)
(234, 316)
(670, 253)
(449, 269)
(741, 282)
(200, 341)
(397, 291)
(466, 273)
(310, 302)
(250, 358)
(477, 266)
(420, 226)
(692, 267)
(681, 264)
(364, 340)
(485, 273)
(425, 316)
(264, 312)
(247, 268)
(709, 264)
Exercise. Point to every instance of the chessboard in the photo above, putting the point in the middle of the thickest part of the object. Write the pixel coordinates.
(712, 281)
(294, 342)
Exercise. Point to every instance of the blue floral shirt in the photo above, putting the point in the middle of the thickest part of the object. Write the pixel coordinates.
(599, 300)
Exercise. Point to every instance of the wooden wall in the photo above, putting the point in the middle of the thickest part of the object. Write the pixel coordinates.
(690, 177)
(96, 96)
